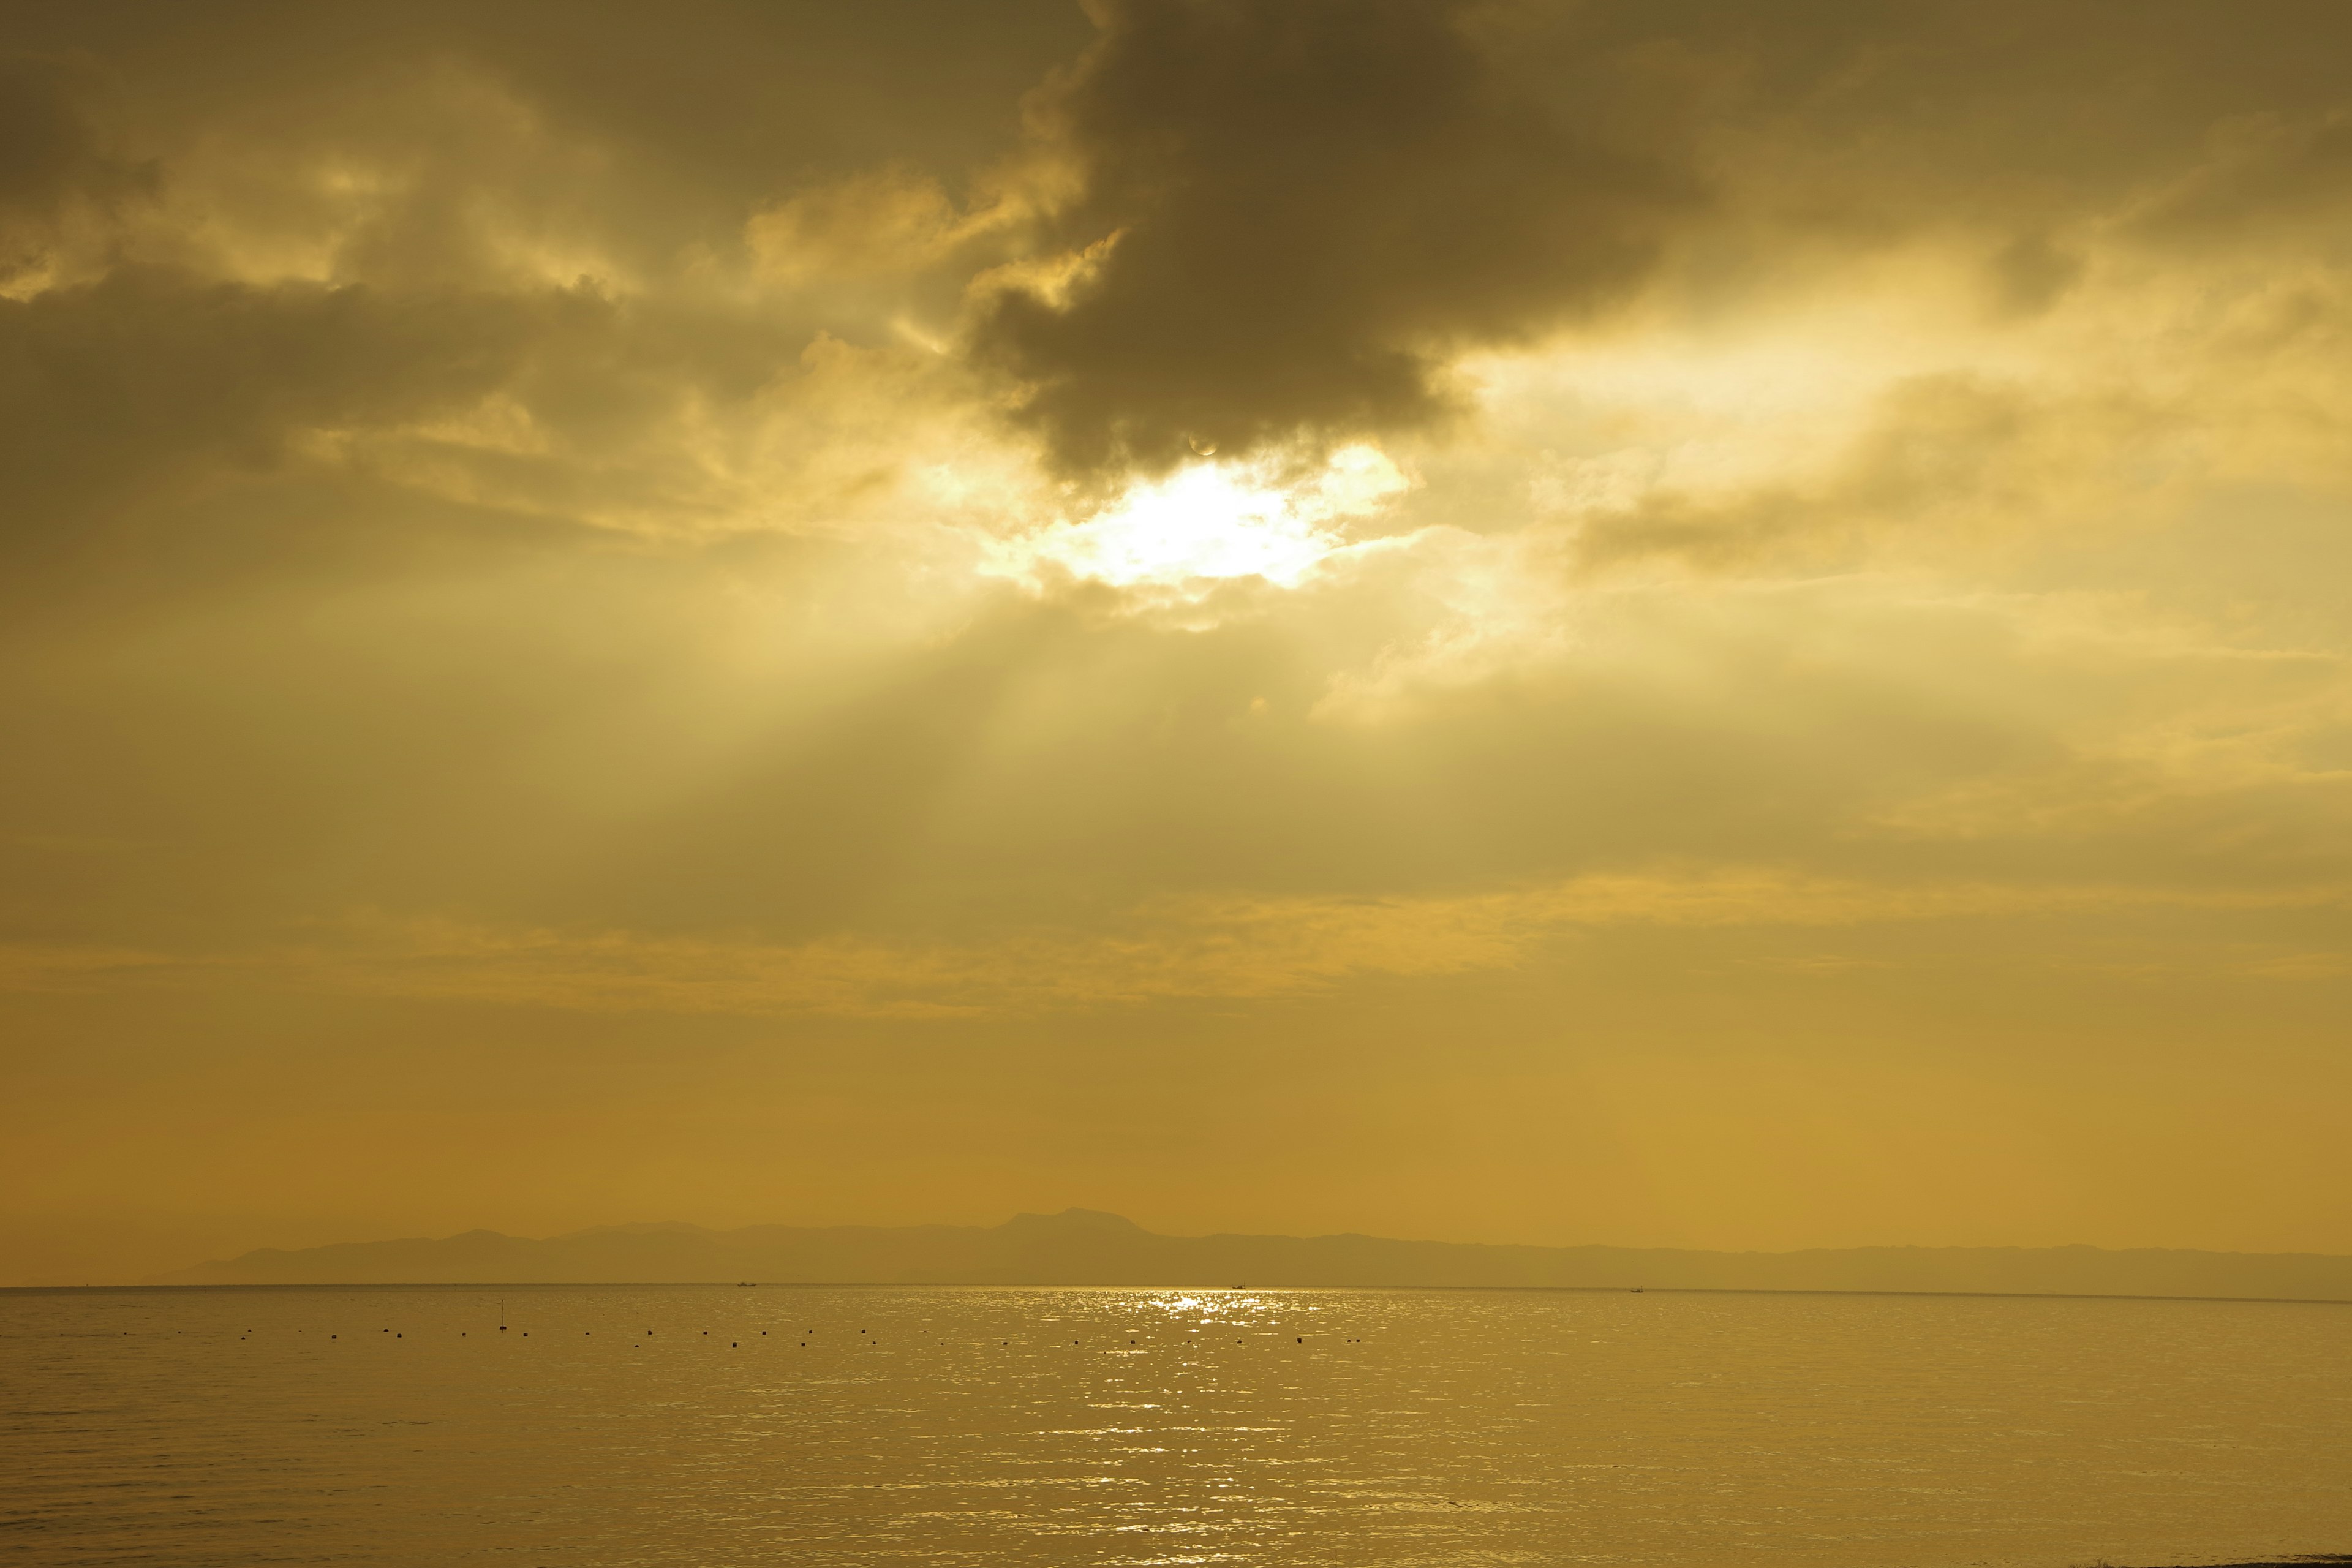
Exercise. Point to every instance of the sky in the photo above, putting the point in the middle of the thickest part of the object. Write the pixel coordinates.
(1650, 622)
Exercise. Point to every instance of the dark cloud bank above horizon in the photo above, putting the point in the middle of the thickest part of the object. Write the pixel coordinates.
(1213, 223)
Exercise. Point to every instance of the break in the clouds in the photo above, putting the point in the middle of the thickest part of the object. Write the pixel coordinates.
(1642, 622)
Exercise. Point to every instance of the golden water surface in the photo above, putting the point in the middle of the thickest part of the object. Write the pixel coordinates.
(808, 1425)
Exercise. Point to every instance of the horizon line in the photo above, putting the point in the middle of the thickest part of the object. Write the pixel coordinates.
(1219, 1289)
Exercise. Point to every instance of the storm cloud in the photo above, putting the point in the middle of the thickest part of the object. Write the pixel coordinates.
(1289, 218)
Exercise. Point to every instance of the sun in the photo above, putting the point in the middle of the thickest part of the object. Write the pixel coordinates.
(1210, 521)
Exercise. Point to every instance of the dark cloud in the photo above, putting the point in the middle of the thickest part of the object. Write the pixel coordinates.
(1949, 456)
(691, 115)
(2264, 170)
(108, 389)
(1294, 216)
(2030, 274)
(1985, 105)
(436, 177)
(54, 154)
(1299, 211)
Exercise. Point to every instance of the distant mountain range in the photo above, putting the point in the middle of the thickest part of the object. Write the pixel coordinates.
(1082, 1246)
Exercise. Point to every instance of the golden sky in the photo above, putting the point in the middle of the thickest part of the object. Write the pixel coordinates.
(1660, 621)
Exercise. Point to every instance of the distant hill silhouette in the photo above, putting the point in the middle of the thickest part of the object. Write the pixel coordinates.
(1082, 1246)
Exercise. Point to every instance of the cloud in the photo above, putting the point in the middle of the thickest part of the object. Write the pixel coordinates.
(1228, 948)
(883, 225)
(2263, 173)
(109, 388)
(1290, 217)
(1941, 455)
(58, 160)
(1709, 502)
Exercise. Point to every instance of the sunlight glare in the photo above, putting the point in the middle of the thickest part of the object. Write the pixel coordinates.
(1210, 521)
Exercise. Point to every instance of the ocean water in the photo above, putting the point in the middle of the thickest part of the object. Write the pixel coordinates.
(800, 1424)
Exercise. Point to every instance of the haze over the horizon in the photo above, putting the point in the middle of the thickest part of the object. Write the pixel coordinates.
(1088, 1247)
(1650, 622)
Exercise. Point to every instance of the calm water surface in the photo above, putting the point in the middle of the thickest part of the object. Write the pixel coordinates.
(800, 1425)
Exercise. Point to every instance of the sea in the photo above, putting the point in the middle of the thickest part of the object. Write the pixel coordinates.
(800, 1425)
